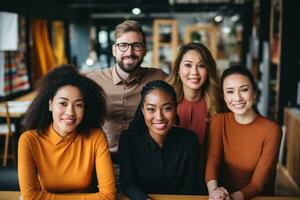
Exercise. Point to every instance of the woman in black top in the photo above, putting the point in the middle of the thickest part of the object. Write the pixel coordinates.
(155, 156)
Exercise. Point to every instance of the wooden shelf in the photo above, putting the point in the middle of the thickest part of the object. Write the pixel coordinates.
(207, 31)
(165, 44)
(172, 43)
(274, 34)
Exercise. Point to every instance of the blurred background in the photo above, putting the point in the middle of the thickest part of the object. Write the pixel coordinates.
(262, 35)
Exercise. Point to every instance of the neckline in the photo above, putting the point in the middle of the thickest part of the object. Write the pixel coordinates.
(245, 124)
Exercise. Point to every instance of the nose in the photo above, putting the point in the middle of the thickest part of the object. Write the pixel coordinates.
(130, 49)
(159, 115)
(194, 69)
(70, 110)
(237, 96)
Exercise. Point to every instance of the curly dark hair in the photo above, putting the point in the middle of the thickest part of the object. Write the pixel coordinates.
(38, 115)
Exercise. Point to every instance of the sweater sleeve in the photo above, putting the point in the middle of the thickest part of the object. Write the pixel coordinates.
(127, 173)
(104, 169)
(30, 185)
(215, 149)
(266, 164)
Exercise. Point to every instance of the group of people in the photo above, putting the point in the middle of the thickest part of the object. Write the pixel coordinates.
(186, 133)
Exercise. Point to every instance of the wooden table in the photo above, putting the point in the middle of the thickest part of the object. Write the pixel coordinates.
(27, 97)
(292, 124)
(18, 106)
(8, 195)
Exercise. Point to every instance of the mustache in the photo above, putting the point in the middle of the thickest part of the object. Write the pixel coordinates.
(131, 56)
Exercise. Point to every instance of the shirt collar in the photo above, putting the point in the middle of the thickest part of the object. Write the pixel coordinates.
(134, 76)
(153, 144)
(55, 138)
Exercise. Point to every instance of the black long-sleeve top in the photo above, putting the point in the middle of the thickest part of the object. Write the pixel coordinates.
(145, 168)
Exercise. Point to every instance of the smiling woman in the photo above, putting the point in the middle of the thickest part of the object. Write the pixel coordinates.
(243, 145)
(67, 109)
(155, 156)
(64, 144)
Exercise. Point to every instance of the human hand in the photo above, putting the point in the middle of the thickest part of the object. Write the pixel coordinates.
(220, 193)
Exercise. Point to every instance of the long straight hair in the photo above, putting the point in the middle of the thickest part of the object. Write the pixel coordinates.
(210, 90)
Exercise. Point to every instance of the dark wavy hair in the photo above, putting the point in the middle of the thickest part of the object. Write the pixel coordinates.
(138, 123)
(38, 115)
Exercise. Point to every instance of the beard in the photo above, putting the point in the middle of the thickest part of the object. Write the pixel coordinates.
(130, 67)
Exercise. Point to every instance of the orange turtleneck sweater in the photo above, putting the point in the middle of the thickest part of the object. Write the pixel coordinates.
(49, 165)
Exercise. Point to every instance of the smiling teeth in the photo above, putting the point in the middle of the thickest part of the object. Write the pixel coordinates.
(238, 105)
(160, 126)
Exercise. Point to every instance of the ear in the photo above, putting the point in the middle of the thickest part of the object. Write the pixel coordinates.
(114, 49)
(50, 105)
(145, 51)
(254, 97)
(142, 108)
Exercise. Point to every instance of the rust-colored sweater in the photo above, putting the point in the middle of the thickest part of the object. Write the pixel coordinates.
(245, 154)
(50, 164)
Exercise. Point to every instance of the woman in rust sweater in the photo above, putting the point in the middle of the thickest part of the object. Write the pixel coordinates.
(63, 144)
(243, 145)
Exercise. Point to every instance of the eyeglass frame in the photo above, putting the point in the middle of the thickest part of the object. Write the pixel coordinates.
(133, 47)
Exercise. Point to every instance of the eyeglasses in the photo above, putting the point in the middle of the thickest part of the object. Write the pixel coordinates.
(136, 46)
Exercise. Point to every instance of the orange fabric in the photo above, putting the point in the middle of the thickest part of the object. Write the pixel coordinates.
(59, 42)
(45, 57)
(246, 152)
(50, 164)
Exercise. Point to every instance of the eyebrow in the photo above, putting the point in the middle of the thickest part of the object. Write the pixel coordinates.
(245, 85)
(64, 98)
(231, 88)
(149, 104)
(190, 61)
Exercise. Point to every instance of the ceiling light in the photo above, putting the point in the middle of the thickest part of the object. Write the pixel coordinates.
(235, 18)
(218, 18)
(226, 30)
(89, 61)
(136, 11)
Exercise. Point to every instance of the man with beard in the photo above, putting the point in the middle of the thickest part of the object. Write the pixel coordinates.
(124, 81)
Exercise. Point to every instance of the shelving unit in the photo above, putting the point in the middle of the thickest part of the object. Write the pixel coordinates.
(208, 34)
(274, 59)
(165, 43)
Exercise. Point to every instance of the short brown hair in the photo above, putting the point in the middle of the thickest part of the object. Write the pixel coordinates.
(129, 26)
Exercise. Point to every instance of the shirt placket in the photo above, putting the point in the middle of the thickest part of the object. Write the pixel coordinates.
(125, 96)
(161, 168)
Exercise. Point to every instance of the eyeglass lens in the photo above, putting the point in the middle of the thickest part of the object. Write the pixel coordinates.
(137, 46)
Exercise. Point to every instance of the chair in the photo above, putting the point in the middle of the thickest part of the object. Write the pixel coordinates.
(282, 145)
(9, 179)
(7, 131)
